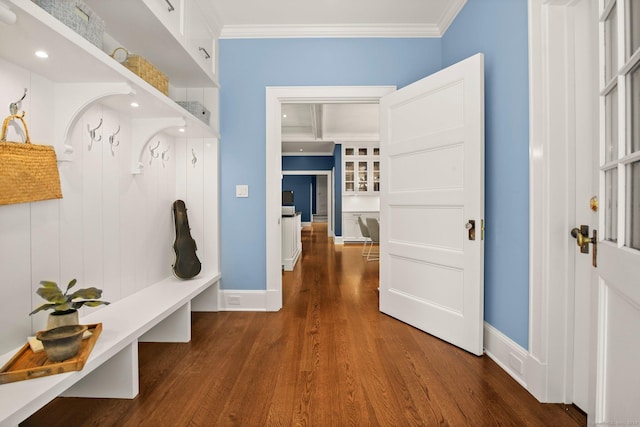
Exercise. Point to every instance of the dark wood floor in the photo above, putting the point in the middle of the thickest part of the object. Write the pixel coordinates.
(328, 358)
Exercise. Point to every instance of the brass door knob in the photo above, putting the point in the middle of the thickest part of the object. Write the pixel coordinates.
(582, 239)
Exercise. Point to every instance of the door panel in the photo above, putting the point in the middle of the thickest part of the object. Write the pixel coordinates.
(617, 313)
(432, 149)
(446, 169)
(402, 221)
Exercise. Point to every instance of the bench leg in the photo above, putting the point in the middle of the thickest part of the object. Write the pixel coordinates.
(175, 328)
(207, 300)
(117, 378)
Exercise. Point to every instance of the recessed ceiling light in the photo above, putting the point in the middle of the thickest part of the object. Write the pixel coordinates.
(135, 104)
(301, 149)
(181, 130)
(284, 115)
(42, 54)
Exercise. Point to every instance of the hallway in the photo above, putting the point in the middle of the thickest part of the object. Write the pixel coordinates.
(328, 358)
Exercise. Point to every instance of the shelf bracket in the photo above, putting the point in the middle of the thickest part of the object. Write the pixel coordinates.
(143, 131)
(71, 100)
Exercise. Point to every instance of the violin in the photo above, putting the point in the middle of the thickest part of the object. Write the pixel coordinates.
(187, 264)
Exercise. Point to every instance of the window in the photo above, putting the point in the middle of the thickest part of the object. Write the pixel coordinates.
(620, 93)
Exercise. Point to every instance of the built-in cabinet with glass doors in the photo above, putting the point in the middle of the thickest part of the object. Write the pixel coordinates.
(361, 170)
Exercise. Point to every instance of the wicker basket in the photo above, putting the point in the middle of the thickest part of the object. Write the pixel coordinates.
(197, 109)
(145, 69)
(28, 172)
(76, 15)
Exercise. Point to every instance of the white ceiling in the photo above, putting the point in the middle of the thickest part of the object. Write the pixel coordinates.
(313, 129)
(332, 18)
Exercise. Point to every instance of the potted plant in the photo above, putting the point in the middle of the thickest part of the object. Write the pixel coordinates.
(65, 305)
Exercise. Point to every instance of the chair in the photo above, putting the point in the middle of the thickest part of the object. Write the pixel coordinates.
(373, 226)
(365, 233)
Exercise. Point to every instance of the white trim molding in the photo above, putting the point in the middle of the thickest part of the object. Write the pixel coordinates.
(274, 97)
(346, 31)
(506, 353)
(243, 300)
(552, 69)
(329, 31)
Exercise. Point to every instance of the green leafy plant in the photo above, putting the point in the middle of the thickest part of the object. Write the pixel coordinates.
(60, 302)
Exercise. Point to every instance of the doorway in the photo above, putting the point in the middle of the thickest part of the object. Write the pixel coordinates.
(275, 97)
(327, 202)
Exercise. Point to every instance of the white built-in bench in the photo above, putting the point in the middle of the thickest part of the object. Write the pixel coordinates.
(158, 313)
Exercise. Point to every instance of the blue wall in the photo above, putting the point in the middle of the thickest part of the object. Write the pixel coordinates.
(246, 68)
(302, 185)
(307, 163)
(499, 29)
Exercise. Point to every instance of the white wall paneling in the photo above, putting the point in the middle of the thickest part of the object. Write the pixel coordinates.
(211, 258)
(112, 161)
(194, 201)
(112, 229)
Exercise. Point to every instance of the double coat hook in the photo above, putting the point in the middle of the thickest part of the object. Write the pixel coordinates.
(92, 134)
(13, 107)
(113, 144)
(154, 153)
(165, 156)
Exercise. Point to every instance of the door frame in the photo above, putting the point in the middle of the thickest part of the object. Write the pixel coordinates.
(330, 206)
(275, 96)
(552, 120)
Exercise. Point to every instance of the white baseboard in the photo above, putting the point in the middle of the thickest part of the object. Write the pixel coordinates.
(242, 300)
(506, 353)
(338, 240)
(288, 264)
(306, 224)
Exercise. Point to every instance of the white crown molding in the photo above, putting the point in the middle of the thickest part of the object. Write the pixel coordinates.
(344, 31)
(450, 15)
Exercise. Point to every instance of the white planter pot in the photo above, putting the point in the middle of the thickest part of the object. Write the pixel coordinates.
(56, 319)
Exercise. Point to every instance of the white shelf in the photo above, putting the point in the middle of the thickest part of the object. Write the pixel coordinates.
(133, 24)
(73, 62)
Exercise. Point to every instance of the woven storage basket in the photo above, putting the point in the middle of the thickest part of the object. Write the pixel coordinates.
(145, 69)
(76, 15)
(197, 109)
(28, 172)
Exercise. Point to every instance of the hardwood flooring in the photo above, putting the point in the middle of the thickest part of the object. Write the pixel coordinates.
(328, 358)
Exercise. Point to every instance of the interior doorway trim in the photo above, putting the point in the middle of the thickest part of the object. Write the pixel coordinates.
(330, 205)
(552, 44)
(275, 96)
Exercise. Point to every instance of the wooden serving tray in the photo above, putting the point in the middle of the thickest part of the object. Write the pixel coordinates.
(26, 364)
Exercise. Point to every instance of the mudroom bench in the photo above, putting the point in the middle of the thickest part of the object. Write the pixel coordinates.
(158, 313)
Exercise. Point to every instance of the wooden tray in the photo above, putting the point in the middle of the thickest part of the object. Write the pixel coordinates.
(26, 364)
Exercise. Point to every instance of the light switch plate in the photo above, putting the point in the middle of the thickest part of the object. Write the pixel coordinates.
(242, 191)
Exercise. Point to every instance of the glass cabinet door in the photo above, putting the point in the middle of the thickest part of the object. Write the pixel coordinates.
(376, 175)
(363, 176)
(349, 177)
(361, 170)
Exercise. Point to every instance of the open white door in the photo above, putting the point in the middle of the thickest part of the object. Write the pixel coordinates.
(615, 313)
(432, 204)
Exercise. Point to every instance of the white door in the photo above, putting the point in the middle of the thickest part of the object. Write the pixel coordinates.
(614, 364)
(432, 158)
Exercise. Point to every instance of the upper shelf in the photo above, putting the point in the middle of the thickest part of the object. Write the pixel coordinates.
(74, 60)
(137, 24)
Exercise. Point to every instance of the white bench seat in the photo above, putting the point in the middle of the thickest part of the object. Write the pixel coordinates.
(158, 313)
